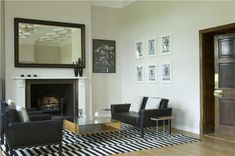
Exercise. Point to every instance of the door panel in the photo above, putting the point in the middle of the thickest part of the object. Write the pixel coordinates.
(227, 75)
(226, 47)
(226, 111)
(225, 84)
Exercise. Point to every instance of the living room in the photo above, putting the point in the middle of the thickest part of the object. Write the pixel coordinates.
(138, 21)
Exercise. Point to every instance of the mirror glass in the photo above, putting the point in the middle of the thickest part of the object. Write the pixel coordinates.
(48, 44)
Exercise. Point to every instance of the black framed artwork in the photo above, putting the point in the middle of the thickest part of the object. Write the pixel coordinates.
(104, 56)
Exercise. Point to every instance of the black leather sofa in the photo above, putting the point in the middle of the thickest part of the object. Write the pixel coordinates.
(40, 131)
(142, 118)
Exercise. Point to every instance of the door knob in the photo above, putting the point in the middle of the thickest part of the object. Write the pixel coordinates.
(218, 93)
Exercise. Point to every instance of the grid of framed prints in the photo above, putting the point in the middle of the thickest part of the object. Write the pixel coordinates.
(152, 48)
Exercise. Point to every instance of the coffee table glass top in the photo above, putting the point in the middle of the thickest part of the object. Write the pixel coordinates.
(94, 121)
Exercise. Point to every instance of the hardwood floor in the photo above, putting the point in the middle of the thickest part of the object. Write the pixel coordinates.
(223, 137)
(208, 146)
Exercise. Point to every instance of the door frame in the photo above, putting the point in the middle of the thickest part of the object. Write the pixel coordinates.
(206, 45)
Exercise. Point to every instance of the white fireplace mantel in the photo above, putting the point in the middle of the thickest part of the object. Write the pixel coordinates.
(21, 89)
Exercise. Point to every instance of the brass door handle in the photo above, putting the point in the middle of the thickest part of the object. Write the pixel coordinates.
(218, 93)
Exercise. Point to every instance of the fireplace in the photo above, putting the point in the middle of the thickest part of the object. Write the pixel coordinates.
(56, 97)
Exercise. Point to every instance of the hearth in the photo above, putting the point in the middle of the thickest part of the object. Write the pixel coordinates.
(56, 97)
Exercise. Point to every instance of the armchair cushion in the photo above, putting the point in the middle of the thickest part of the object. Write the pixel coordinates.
(135, 103)
(22, 113)
(131, 118)
(153, 103)
(11, 104)
(40, 117)
(34, 112)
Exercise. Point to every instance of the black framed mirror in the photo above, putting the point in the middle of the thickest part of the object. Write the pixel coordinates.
(41, 43)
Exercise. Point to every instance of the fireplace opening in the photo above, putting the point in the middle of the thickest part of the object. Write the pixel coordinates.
(58, 98)
(50, 104)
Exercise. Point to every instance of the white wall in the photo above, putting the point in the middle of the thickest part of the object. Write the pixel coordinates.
(139, 21)
(62, 11)
(2, 74)
(106, 86)
(143, 20)
(1, 50)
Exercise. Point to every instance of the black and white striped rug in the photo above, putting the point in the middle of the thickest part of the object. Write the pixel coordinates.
(107, 143)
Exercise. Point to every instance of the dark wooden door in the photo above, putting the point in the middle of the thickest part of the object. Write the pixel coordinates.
(225, 84)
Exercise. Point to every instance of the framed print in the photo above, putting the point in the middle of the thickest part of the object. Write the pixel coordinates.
(139, 50)
(152, 73)
(104, 56)
(166, 45)
(166, 73)
(152, 47)
(140, 73)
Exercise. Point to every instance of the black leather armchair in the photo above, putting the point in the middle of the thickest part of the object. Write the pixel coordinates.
(3, 107)
(34, 114)
(34, 133)
(141, 119)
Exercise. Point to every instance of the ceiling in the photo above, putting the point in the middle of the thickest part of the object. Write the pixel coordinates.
(112, 3)
(104, 3)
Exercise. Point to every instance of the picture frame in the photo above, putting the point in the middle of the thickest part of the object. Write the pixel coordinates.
(166, 72)
(140, 73)
(104, 56)
(152, 73)
(139, 49)
(166, 44)
(152, 47)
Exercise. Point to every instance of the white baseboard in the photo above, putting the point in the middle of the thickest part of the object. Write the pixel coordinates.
(188, 129)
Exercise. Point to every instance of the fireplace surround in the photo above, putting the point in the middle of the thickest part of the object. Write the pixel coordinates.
(69, 92)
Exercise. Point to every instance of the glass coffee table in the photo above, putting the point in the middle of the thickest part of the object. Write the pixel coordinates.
(88, 125)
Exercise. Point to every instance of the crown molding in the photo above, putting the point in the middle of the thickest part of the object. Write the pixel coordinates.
(118, 4)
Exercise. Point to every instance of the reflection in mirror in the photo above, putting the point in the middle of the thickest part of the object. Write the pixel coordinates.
(48, 44)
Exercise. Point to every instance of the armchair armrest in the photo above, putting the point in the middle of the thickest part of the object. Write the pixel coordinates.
(40, 117)
(34, 133)
(146, 115)
(36, 112)
(31, 109)
(120, 108)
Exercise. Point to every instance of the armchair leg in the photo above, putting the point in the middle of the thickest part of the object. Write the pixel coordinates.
(2, 138)
(60, 149)
(11, 152)
(7, 148)
(142, 132)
